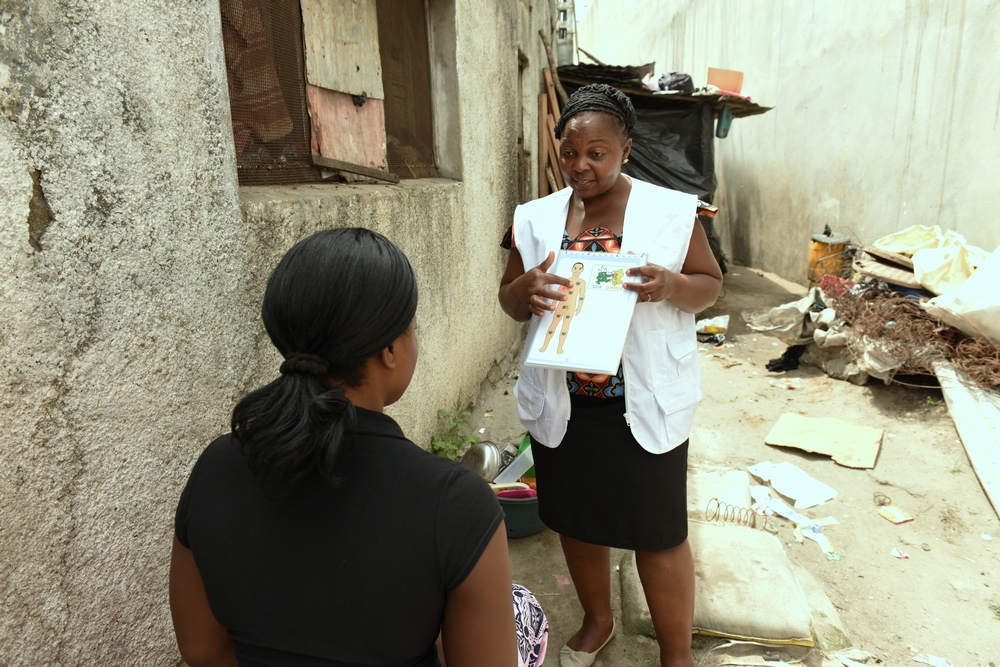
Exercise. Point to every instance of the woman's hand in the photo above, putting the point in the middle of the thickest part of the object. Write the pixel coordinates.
(692, 290)
(658, 283)
(525, 293)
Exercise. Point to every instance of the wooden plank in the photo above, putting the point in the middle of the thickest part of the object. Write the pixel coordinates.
(340, 38)
(553, 152)
(550, 178)
(543, 145)
(340, 130)
(552, 95)
(339, 165)
(895, 257)
(894, 275)
(555, 70)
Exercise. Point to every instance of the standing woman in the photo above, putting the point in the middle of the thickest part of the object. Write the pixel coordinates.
(316, 534)
(615, 474)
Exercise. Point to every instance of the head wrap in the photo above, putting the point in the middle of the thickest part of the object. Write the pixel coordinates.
(602, 98)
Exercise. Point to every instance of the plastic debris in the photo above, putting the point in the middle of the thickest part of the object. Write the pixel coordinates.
(791, 481)
(894, 514)
(814, 533)
(804, 526)
(902, 555)
(986, 537)
(715, 325)
(787, 383)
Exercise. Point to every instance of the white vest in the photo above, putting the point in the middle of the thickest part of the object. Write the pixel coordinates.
(660, 360)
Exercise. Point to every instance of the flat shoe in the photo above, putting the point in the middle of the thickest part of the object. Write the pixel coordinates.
(570, 658)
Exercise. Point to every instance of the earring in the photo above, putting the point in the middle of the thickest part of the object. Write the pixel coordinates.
(625, 161)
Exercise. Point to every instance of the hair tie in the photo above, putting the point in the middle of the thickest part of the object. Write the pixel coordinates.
(305, 363)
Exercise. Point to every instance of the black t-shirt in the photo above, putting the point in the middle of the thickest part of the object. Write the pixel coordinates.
(334, 575)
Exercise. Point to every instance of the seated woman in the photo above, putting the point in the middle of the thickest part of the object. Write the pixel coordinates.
(315, 534)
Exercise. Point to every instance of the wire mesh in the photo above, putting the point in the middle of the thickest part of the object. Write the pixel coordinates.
(267, 91)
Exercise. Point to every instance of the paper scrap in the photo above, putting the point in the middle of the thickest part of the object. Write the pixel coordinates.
(849, 444)
(791, 481)
(902, 555)
(894, 514)
(986, 537)
(932, 660)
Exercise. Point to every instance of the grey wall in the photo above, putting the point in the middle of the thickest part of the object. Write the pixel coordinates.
(130, 327)
(886, 113)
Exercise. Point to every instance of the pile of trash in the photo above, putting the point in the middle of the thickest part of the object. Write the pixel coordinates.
(874, 328)
(920, 302)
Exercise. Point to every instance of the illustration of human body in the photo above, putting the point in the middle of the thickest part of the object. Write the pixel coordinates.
(567, 309)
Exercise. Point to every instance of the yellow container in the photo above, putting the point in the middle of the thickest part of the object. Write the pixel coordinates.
(826, 255)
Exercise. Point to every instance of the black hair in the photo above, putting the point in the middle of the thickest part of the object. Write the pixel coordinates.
(335, 300)
(602, 98)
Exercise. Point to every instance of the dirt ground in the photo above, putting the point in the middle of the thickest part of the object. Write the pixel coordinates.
(936, 602)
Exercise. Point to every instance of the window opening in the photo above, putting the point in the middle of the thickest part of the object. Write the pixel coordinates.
(402, 29)
(266, 75)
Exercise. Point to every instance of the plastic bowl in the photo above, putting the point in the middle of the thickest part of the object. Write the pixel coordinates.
(521, 516)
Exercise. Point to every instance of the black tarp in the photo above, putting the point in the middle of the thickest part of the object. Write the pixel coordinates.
(675, 148)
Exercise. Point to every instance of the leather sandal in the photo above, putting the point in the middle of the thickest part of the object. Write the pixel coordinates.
(570, 658)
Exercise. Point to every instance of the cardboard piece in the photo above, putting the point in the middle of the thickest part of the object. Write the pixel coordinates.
(850, 445)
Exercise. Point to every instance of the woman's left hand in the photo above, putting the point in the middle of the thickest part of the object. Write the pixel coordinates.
(658, 283)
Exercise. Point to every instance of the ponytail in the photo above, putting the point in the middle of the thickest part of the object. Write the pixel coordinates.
(291, 426)
(335, 300)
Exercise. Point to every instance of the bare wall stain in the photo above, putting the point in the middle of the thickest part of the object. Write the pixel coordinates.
(39, 213)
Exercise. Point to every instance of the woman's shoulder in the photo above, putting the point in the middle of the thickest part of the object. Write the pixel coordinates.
(555, 200)
(660, 195)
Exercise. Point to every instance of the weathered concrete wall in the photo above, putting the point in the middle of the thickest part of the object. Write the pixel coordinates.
(886, 113)
(131, 272)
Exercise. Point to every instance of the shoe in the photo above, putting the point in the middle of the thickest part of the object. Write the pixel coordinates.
(570, 658)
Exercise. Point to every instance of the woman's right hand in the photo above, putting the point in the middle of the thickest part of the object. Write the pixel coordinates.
(526, 293)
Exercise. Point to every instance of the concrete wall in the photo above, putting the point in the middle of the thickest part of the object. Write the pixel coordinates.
(886, 113)
(131, 272)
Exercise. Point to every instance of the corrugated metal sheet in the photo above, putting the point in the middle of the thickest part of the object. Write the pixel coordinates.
(976, 413)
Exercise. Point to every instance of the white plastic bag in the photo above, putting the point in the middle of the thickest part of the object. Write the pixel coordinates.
(716, 325)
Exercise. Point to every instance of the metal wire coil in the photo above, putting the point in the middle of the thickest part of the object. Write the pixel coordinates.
(716, 510)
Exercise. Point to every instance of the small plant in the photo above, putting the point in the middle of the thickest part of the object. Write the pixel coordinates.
(956, 466)
(995, 608)
(930, 400)
(458, 435)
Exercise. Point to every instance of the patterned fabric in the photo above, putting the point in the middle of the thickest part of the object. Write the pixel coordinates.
(596, 239)
(532, 628)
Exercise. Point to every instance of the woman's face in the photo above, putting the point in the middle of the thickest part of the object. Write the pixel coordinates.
(591, 152)
(405, 350)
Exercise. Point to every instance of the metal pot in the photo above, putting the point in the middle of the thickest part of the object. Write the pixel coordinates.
(484, 458)
(488, 458)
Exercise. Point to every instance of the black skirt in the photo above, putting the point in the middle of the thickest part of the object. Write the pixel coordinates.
(600, 486)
